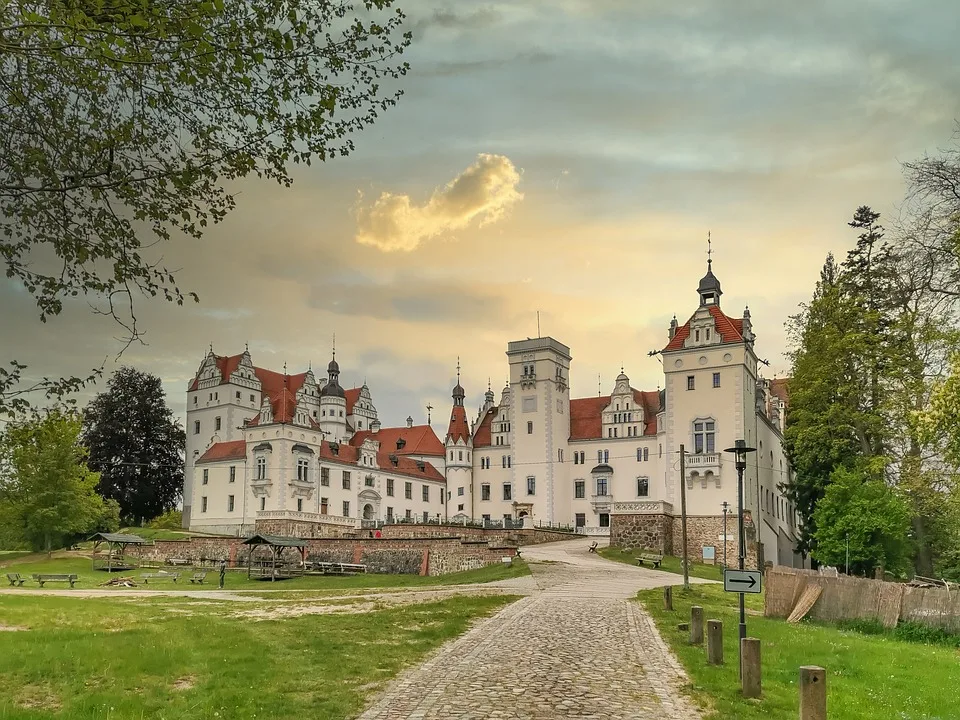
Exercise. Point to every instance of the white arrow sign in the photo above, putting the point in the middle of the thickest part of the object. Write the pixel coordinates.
(741, 581)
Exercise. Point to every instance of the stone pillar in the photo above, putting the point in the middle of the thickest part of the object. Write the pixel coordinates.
(696, 625)
(750, 667)
(813, 693)
(714, 642)
(668, 598)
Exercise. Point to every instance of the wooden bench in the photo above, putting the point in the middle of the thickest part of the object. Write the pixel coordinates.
(177, 561)
(146, 577)
(198, 578)
(654, 560)
(15, 579)
(345, 569)
(55, 578)
(593, 547)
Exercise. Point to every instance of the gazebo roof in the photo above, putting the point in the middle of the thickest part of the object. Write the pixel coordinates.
(119, 538)
(276, 540)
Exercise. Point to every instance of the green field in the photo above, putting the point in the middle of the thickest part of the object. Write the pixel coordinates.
(868, 677)
(669, 564)
(184, 658)
(237, 579)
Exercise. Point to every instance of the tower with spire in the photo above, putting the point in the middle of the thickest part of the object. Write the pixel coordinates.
(458, 444)
(333, 403)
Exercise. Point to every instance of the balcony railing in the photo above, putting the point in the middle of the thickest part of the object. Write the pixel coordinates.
(643, 507)
(307, 517)
(703, 460)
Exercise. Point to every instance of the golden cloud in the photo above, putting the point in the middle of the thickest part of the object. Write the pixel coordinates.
(483, 192)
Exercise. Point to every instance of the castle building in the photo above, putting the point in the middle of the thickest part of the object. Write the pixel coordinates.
(264, 445)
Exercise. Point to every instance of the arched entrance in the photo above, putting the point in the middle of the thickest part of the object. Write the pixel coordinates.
(368, 512)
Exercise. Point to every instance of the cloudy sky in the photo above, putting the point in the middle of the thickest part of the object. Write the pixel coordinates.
(566, 156)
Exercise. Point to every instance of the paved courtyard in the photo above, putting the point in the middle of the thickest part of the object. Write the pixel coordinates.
(576, 646)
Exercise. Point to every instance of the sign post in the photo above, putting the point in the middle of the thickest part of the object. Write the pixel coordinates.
(742, 581)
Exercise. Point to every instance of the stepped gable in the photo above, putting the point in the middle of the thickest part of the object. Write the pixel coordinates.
(232, 450)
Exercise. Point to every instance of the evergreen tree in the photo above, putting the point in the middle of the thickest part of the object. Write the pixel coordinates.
(47, 493)
(136, 445)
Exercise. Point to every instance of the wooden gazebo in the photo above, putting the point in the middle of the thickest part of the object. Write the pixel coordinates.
(276, 565)
(110, 551)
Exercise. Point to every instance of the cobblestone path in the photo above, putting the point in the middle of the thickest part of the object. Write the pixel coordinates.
(576, 648)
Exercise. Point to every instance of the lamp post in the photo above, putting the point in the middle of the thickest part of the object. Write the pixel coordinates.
(726, 509)
(740, 451)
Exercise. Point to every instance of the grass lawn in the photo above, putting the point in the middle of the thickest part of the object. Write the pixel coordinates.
(868, 677)
(670, 563)
(237, 580)
(117, 659)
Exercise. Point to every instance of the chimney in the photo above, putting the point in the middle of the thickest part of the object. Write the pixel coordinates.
(409, 421)
(375, 426)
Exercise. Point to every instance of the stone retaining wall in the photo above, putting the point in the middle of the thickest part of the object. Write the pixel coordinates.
(424, 556)
(497, 536)
(663, 534)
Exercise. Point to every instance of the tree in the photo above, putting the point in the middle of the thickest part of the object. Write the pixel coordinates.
(859, 512)
(48, 494)
(136, 445)
(125, 120)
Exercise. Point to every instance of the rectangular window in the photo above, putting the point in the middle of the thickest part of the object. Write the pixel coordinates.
(299, 504)
(194, 399)
(486, 518)
(529, 427)
(324, 502)
(604, 520)
(643, 487)
(576, 458)
(238, 394)
(303, 470)
(646, 454)
(408, 491)
(252, 399)
(346, 508)
(580, 519)
(389, 513)
(507, 491)
(368, 481)
(509, 461)
(560, 454)
(425, 491)
(426, 516)
(716, 380)
(196, 427)
(408, 515)
(639, 454)
(460, 452)
(601, 486)
(606, 456)
(580, 488)
(216, 423)
(599, 457)
(206, 476)
(531, 485)
(261, 468)
(233, 473)
(460, 491)
(325, 476)
(460, 508)
(690, 382)
(390, 487)
(484, 492)
(203, 504)
(704, 436)
(346, 479)
(263, 503)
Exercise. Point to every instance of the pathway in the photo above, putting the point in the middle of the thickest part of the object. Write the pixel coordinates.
(576, 648)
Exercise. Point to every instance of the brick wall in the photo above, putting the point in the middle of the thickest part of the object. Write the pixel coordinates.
(302, 529)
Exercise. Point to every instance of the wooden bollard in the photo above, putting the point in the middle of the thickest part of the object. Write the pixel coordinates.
(668, 598)
(696, 625)
(750, 667)
(683, 627)
(714, 642)
(813, 693)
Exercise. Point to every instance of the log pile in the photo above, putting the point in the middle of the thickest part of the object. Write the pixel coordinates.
(127, 582)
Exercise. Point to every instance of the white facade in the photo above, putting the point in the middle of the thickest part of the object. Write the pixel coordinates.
(537, 454)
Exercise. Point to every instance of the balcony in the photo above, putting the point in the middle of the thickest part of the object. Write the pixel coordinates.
(307, 517)
(703, 460)
(601, 503)
(643, 507)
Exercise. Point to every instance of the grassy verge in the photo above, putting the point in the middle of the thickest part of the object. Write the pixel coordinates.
(237, 580)
(107, 658)
(868, 677)
(670, 563)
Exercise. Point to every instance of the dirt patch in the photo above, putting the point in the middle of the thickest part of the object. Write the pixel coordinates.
(12, 628)
(185, 683)
(37, 697)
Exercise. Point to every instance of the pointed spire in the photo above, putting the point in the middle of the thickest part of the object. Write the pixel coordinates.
(284, 371)
(246, 347)
(334, 346)
(599, 386)
(458, 369)
(709, 250)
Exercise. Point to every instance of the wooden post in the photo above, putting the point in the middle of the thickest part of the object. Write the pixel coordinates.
(683, 518)
(750, 667)
(696, 625)
(714, 642)
(813, 693)
(668, 598)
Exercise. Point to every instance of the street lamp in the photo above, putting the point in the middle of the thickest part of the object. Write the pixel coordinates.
(740, 451)
(726, 509)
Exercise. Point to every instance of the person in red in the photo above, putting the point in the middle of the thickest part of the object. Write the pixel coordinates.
(378, 535)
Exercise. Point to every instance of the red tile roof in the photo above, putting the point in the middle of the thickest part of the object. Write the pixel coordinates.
(233, 450)
(586, 414)
(350, 455)
(458, 429)
(483, 437)
(730, 329)
(419, 440)
(352, 395)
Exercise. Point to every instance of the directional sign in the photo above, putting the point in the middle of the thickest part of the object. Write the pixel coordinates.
(741, 581)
